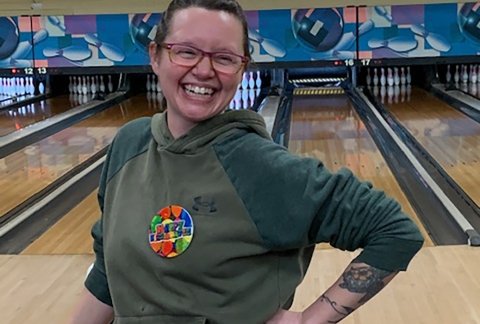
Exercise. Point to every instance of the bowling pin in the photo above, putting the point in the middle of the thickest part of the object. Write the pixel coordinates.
(31, 87)
(102, 84)
(251, 81)
(369, 79)
(41, 87)
(448, 76)
(375, 77)
(244, 81)
(464, 74)
(84, 86)
(403, 78)
(93, 86)
(383, 80)
(79, 85)
(258, 80)
(390, 80)
(154, 83)
(473, 74)
(409, 76)
(110, 84)
(396, 76)
(456, 75)
(147, 86)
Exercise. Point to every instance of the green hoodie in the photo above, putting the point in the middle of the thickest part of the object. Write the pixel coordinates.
(257, 212)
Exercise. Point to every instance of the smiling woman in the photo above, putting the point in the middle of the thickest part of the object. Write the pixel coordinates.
(206, 220)
(199, 65)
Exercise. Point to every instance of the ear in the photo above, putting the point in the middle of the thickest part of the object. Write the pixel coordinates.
(154, 52)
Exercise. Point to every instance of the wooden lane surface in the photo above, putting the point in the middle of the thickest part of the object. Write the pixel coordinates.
(32, 168)
(328, 128)
(14, 119)
(71, 234)
(449, 136)
(40, 289)
(441, 286)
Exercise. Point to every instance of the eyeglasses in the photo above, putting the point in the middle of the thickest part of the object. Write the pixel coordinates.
(189, 56)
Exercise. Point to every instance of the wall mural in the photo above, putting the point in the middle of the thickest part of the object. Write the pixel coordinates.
(303, 35)
(86, 40)
(16, 42)
(421, 31)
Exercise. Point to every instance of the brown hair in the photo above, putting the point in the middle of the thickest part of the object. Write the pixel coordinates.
(230, 6)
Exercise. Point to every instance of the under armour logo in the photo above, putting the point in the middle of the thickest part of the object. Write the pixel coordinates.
(206, 205)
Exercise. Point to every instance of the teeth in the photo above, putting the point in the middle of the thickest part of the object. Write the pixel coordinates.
(199, 90)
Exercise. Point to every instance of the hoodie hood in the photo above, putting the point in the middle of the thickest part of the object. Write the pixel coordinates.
(207, 131)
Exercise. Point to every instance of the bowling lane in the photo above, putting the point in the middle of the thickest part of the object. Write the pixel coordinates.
(450, 137)
(329, 129)
(14, 119)
(34, 167)
(71, 234)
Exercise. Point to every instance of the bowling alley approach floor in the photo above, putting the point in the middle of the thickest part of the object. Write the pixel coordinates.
(441, 286)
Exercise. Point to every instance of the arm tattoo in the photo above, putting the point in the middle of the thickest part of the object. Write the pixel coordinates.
(364, 280)
(340, 309)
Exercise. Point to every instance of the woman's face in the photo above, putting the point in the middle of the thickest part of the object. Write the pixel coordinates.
(194, 94)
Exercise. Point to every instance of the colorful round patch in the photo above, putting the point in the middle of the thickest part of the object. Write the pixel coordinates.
(171, 231)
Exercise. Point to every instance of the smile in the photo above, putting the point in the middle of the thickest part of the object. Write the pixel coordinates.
(199, 90)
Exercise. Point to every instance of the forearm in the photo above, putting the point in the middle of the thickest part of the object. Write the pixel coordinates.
(90, 310)
(357, 285)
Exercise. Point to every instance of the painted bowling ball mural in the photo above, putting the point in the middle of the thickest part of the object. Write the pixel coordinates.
(469, 21)
(8, 37)
(317, 30)
(143, 28)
